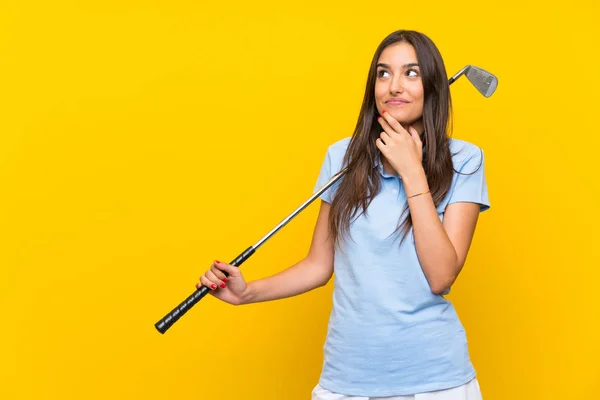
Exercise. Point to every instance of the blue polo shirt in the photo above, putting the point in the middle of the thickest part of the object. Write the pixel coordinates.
(388, 334)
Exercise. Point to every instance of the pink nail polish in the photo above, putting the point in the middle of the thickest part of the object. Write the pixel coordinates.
(218, 262)
(213, 286)
(223, 285)
(224, 279)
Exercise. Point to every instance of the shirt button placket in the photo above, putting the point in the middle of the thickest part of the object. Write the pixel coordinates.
(396, 186)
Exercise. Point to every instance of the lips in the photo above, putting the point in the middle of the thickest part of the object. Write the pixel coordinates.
(396, 102)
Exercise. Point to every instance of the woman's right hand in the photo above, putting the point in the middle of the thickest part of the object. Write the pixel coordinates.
(229, 289)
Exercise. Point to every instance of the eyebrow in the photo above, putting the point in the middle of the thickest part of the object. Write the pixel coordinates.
(404, 66)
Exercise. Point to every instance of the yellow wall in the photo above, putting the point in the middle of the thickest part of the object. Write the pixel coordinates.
(141, 140)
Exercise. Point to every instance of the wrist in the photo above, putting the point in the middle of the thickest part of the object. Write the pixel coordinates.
(249, 294)
(415, 177)
(415, 182)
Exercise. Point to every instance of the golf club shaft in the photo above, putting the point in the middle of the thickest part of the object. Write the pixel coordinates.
(457, 75)
(166, 322)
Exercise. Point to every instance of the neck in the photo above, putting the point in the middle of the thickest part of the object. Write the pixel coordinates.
(418, 125)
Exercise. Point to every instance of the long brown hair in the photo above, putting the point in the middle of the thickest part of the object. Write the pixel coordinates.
(361, 182)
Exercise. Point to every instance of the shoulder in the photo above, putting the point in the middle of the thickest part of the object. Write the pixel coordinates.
(331, 165)
(464, 153)
(461, 150)
(340, 146)
(336, 152)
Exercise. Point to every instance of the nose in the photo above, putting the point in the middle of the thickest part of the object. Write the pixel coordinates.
(396, 84)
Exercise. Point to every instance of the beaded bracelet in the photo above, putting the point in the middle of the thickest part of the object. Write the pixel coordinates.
(418, 194)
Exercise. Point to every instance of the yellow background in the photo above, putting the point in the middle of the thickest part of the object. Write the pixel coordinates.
(141, 140)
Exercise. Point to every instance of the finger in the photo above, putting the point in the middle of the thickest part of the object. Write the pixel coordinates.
(385, 137)
(218, 273)
(392, 122)
(229, 269)
(205, 282)
(415, 134)
(380, 145)
(213, 278)
(386, 126)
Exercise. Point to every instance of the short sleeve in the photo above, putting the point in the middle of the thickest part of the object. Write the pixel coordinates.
(324, 176)
(470, 183)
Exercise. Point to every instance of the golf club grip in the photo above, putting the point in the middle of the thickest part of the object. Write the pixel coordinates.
(167, 321)
(181, 309)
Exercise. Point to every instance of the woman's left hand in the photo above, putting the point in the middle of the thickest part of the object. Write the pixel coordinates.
(402, 148)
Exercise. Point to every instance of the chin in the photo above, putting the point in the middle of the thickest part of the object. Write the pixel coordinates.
(401, 117)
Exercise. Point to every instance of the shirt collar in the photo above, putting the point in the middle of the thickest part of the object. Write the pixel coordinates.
(379, 165)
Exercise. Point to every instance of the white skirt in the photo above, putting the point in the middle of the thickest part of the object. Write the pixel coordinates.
(468, 391)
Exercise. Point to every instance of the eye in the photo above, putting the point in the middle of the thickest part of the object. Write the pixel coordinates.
(382, 73)
(412, 72)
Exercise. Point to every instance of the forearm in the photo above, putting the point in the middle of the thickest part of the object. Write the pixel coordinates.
(299, 278)
(436, 253)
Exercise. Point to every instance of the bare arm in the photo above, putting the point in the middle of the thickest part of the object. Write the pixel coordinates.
(313, 271)
(441, 247)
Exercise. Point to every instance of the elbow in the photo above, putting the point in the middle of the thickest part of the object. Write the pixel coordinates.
(320, 272)
(440, 288)
(442, 284)
(325, 280)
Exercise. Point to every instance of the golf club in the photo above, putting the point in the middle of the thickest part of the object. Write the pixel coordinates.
(483, 81)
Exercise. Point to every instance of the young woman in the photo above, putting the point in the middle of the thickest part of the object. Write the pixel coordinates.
(396, 229)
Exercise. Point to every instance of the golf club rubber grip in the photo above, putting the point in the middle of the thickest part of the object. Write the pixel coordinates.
(239, 260)
(164, 324)
(181, 309)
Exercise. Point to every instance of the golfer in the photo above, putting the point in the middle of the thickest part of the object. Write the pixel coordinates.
(395, 230)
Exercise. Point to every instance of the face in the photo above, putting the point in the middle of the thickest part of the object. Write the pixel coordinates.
(398, 85)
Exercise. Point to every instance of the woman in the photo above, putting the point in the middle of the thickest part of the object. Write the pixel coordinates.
(396, 228)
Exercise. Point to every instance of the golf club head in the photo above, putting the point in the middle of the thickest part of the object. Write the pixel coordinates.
(484, 81)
